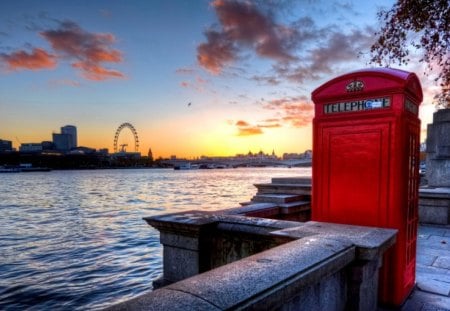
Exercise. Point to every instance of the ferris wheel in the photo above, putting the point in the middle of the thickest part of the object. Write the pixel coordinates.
(133, 130)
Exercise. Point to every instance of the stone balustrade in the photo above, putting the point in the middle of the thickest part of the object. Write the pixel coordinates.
(216, 261)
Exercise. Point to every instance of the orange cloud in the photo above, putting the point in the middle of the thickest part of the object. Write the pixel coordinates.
(217, 52)
(249, 131)
(88, 50)
(198, 84)
(295, 110)
(36, 60)
(246, 129)
(96, 73)
(244, 26)
(242, 123)
(269, 125)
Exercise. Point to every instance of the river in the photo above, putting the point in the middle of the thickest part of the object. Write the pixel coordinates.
(76, 239)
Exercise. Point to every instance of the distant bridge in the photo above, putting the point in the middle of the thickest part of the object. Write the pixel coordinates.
(241, 162)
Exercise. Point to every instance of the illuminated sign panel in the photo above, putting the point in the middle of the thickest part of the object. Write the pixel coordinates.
(357, 105)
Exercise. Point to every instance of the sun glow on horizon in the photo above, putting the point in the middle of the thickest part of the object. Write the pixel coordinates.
(200, 80)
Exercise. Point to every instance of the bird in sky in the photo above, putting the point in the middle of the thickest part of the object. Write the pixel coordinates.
(189, 104)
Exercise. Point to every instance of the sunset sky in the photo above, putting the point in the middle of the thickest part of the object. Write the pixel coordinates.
(193, 77)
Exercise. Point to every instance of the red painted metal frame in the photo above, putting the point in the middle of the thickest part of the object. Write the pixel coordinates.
(365, 164)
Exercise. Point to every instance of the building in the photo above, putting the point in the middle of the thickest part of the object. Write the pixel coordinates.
(31, 147)
(67, 139)
(72, 131)
(103, 151)
(48, 145)
(5, 145)
(63, 142)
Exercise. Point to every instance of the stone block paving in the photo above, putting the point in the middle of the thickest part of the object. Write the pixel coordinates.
(432, 292)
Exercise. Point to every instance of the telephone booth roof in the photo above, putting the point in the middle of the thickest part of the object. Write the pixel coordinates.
(374, 81)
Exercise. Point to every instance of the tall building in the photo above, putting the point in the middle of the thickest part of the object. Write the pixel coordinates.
(63, 142)
(72, 131)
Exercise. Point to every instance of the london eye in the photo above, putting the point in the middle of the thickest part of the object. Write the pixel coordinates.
(133, 130)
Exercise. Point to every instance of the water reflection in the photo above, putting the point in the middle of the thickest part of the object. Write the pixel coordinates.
(76, 239)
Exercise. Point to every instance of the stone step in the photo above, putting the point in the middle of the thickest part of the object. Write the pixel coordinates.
(292, 180)
(276, 198)
(300, 189)
(246, 203)
(251, 208)
(294, 207)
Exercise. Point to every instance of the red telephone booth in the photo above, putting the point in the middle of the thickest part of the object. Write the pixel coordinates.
(365, 163)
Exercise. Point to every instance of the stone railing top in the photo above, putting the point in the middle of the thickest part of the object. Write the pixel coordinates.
(435, 192)
(193, 219)
(370, 242)
(258, 281)
(189, 222)
(250, 281)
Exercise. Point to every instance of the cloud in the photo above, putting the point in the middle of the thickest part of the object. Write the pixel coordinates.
(270, 123)
(87, 51)
(271, 80)
(241, 123)
(197, 84)
(217, 52)
(249, 131)
(186, 71)
(94, 72)
(300, 50)
(244, 26)
(297, 111)
(35, 60)
(340, 47)
(335, 49)
(246, 129)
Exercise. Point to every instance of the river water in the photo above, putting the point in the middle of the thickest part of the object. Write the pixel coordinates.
(76, 239)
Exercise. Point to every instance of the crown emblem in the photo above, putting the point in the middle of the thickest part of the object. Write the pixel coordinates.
(355, 86)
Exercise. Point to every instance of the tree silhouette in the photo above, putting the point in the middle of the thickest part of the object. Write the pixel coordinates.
(417, 24)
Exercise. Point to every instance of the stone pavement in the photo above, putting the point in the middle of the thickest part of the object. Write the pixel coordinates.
(432, 290)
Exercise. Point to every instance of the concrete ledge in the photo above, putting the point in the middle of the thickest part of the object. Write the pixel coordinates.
(434, 205)
(238, 262)
(258, 280)
(370, 242)
(249, 208)
(263, 281)
(164, 299)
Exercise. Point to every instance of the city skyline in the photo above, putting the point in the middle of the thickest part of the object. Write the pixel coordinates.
(198, 77)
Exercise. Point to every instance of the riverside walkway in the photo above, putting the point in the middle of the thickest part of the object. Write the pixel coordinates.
(432, 292)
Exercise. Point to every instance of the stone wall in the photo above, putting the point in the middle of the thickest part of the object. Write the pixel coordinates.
(438, 149)
(299, 266)
(434, 206)
(434, 198)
